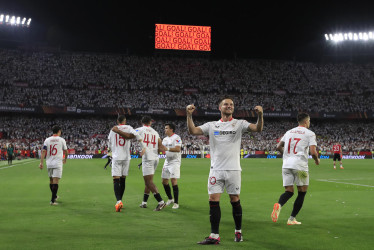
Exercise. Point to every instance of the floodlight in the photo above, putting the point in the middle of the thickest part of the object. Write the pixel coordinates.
(13, 20)
(350, 35)
(355, 36)
(1, 18)
(24, 21)
(28, 22)
(18, 21)
(7, 18)
(327, 37)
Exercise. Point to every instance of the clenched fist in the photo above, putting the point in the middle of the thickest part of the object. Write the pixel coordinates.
(190, 109)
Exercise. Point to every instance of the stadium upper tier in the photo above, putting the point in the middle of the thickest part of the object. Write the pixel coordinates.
(109, 80)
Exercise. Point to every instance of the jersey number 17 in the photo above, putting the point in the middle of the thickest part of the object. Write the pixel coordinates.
(294, 148)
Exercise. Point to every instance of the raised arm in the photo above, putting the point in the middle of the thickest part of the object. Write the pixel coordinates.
(125, 135)
(192, 129)
(260, 121)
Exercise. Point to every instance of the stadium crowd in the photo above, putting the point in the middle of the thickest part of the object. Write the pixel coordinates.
(90, 134)
(90, 80)
(112, 80)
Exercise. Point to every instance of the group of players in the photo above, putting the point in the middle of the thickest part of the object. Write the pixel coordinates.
(225, 171)
(151, 144)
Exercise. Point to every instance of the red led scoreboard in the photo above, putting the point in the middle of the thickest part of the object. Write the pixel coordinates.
(182, 37)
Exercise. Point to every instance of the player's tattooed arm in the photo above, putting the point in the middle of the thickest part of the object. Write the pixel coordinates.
(260, 120)
(280, 146)
(314, 153)
(125, 135)
(192, 129)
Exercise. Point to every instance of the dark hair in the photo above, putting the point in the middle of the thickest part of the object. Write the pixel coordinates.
(171, 126)
(121, 118)
(55, 129)
(302, 116)
(224, 98)
(146, 120)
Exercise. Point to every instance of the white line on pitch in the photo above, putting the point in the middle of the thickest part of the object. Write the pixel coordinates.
(362, 185)
(17, 164)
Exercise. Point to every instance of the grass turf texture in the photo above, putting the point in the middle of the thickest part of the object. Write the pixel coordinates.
(337, 212)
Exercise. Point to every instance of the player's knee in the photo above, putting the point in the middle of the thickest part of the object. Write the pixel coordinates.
(235, 203)
(174, 182)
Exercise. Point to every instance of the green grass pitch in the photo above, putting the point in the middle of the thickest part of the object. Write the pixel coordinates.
(337, 212)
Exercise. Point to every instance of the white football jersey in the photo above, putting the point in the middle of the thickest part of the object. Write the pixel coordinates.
(296, 148)
(120, 146)
(171, 142)
(150, 139)
(225, 141)
(55, 146)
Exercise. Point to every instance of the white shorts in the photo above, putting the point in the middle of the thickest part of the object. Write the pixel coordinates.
(221, 179)
(292, 176)
(55, 172)
(171, 171)
(149, 167)
(120, 167)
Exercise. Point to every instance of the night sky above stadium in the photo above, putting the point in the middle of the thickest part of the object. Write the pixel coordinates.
(267, 30)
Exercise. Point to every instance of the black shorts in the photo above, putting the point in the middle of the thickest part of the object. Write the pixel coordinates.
(10, 157)
(337, 157)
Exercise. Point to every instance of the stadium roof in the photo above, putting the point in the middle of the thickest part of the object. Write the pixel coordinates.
(276, 30)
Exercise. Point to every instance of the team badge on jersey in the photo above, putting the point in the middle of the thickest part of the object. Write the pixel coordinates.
(212, 180)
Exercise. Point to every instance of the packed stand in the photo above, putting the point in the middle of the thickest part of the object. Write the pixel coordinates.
(112, 80)
(89, 135)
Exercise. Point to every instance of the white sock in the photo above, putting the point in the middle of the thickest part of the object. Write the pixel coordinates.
(161, 202)
(144, 203)
(214, 236)
(238, 231)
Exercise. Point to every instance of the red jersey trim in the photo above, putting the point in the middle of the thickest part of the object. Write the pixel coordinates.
(228, 120)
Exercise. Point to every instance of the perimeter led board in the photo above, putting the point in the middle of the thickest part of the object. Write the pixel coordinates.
(182, 37)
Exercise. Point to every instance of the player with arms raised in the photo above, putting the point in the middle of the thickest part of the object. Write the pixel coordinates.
(295, 146)
(338, 154)
(225, 172)
(54, 150)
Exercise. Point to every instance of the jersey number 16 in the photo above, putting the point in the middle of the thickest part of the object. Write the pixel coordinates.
(52, 150)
